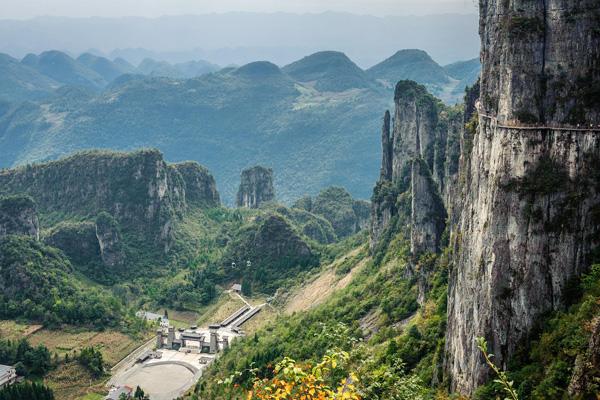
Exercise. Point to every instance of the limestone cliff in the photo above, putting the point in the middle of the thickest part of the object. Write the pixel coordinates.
(532, 190)
(86, 200)
(256, 187)
(200, 185)
(428, 215)
(109, 240)
(420, 155)
(18, 216)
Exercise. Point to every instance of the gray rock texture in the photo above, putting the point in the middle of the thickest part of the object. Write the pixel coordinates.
(428, 215)
(143, 194)
(420, 155)
(200, 185)
(109, 240)
(256, 187)
(530, 196)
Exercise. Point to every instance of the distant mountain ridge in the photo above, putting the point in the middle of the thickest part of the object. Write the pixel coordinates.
(241, 37)
(36, 76)
(330, 71)
(313, 121)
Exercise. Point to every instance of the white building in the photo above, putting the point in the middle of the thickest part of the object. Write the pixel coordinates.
(150, 316)
(8, 375)
(236, 287)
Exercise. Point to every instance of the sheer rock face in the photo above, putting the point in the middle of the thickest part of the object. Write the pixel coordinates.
(415, 128)
(419, 157)
(256, 187)
(200, 185)
(140, 190)
(428, 213)
(109, 240)
(541, 60)
(18, 216)
(386, 149)
(531, 198)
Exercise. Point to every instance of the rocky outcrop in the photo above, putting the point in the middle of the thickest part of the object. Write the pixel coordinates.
(109, 240)
(18, 216)
(256, 187)
(362, 210)
(428, 215)
(420, 156)
(136, 188)
(277, 240)
(142, 193)
(200, 185)
(311, 225)
(527, 224)
(267, 251)
(386, 149)
(77, 240)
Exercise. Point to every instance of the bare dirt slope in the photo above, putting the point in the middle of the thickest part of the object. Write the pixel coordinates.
(325, 284)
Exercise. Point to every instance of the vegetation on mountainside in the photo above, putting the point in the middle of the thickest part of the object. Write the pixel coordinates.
(91, 358)
(26, 390)
(28, 361)
(217, 119)
(38, 285)
(346, 215)
(380, 307)
(544, 366)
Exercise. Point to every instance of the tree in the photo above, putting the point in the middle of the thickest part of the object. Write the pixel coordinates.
(26, 390)
(246, 288)
(92, 359)
(294, 381)
(139, 393)
(507, 385)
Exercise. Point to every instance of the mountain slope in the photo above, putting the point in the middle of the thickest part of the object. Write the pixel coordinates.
(418, 66)
(107, 69)
(19, 82)
(467, 73)
(329, 71)
(64, 69)
(255, 114)
(414, 65)
(464, 70)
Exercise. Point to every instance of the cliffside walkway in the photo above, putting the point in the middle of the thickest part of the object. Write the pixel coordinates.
(496, 124)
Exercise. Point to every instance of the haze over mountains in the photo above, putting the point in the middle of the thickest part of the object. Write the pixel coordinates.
(239, 38)
(312, 121)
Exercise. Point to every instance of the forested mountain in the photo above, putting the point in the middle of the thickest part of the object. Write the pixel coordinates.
(473, 272)
(310, 121)
(64, 69)
(19, 82)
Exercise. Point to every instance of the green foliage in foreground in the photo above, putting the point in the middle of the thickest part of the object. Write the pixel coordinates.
(26, 390)
(27, 360)
(383, 291)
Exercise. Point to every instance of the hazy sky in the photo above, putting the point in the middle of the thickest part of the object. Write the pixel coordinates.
(22, 9)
